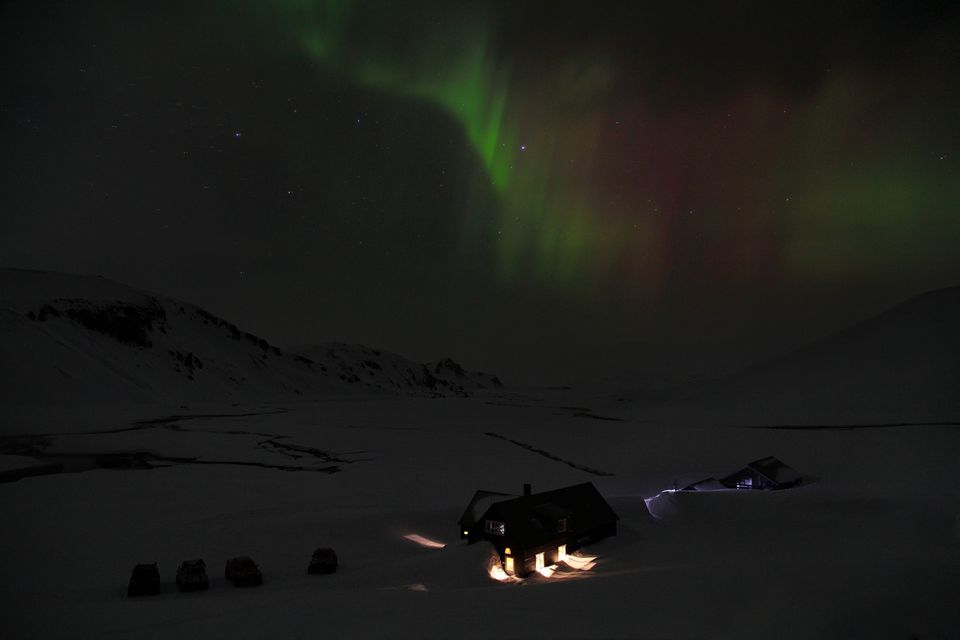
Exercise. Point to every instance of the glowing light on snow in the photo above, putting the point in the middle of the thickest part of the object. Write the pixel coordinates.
(547, 572)
(583, 563)
(496, 571)
(574, 561)
(424, 542)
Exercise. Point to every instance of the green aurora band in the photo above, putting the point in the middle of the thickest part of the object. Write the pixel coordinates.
(600, 189)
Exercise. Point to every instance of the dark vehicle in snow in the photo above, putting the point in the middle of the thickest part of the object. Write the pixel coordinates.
(243, 571)
(144, 581)
(192, 576)
(324, 560)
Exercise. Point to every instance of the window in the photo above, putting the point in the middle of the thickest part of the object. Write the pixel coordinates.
(562, 525)
(561, 553)
(539, 560)
(509, 568)
(495, 528)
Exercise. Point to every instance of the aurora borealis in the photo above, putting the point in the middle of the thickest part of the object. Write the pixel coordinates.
(597, 175)
(520, 174)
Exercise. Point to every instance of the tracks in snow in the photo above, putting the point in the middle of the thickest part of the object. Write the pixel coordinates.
(547, 454)
(37, 447)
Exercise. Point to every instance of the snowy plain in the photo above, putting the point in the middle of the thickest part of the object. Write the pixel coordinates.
(869, 548)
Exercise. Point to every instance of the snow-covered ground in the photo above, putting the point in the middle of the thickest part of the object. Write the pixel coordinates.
(136, 428)
(872, 549)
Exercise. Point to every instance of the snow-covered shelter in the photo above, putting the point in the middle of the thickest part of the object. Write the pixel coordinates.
(535, 530)
(766, 473)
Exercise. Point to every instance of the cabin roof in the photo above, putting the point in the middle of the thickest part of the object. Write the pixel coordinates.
(480, 502)
(771, 469)
(530, 520)
(707, 484)
(775, 470)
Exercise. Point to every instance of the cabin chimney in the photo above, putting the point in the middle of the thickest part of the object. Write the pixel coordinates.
(526, 490)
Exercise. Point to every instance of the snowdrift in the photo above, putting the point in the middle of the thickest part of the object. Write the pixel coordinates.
(901, 366)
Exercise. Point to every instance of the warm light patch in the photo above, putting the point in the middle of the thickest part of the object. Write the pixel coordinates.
(496, 570)
(570, 566)
(547, 572)
(583, 563)
(424, 542)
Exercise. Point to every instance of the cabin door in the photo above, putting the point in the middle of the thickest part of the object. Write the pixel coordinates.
(540, 563)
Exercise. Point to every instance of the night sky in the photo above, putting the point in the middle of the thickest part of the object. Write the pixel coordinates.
(528, 187)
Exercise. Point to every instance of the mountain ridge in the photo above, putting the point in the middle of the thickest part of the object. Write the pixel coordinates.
(71, 338)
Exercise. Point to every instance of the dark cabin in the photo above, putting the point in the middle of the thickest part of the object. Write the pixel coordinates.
(767, 473)
(536, 530)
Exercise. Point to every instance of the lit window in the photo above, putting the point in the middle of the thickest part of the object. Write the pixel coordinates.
(561, 553)
(507, 551)
(495, 528)
(509, 568)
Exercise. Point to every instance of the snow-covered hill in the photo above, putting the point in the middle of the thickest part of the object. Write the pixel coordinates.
(383, 370)
(68, 339)
(900, 366)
